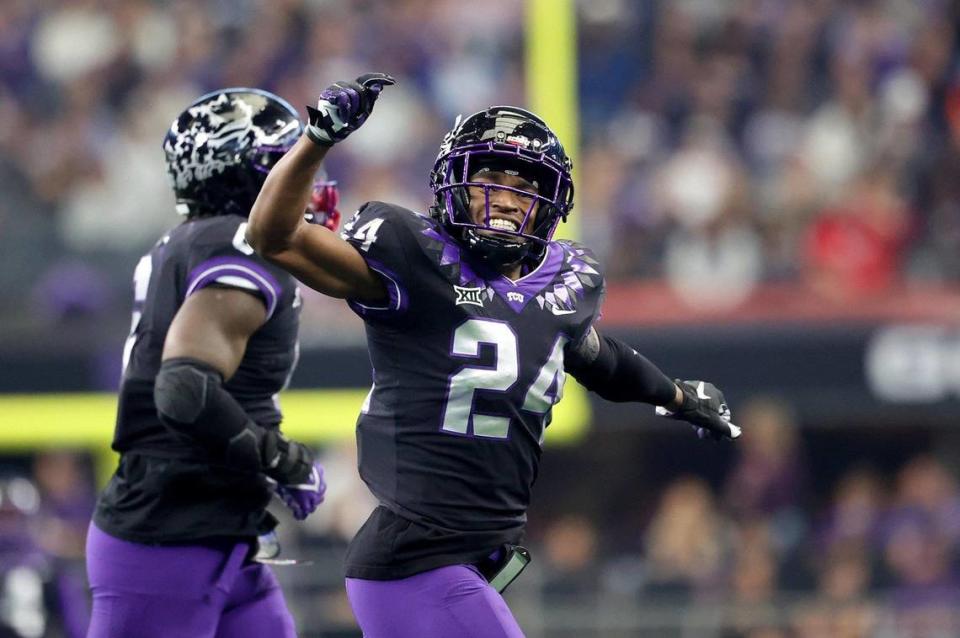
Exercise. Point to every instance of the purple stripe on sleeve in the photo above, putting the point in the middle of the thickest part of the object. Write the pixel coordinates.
(211, 270)
(532, 283)
(397, 298)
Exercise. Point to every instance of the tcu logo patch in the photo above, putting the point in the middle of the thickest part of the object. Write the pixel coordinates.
(471, 296)
(515, 296)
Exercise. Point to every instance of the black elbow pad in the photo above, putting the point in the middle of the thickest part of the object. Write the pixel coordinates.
(180, 391)
(190, 400)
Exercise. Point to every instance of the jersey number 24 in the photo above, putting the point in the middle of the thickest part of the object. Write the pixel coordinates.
(467, 339)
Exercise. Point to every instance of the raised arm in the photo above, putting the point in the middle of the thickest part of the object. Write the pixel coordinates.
(277, 230)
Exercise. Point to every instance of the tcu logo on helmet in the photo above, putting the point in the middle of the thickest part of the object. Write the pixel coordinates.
(221, 147)
(199, 147)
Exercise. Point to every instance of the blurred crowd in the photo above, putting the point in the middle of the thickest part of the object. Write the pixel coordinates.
(88, 89)
(723, 144)
(45, 505)
(774, 541)
(773, 550)
(735, 143)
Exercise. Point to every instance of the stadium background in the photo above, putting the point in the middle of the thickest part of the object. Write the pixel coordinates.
(774, 186)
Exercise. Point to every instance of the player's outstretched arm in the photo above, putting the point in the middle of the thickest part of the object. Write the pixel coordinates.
(617, 372)
(204, 346)
(277, 230)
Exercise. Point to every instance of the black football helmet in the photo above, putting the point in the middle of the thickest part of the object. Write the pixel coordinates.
(220, 149)
(515, 141)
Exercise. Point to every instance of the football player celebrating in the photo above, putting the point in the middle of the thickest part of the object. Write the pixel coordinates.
(473, 315)
(213, 340)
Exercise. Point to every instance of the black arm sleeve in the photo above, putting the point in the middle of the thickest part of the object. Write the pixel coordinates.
(619, 373)
(191, 401)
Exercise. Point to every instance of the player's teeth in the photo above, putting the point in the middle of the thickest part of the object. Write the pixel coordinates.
(503, 224)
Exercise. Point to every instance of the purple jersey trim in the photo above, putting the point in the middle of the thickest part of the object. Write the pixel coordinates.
(397, 298)
(525, 288)
(532, 283)
(212, 270)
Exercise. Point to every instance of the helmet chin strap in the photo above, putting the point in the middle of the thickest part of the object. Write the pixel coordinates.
(496, 253)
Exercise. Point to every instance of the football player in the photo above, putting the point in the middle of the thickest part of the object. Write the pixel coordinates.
(473, 315)
(213, 340)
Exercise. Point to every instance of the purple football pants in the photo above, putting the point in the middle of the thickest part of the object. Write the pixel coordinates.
(441, 603)
(191, 591)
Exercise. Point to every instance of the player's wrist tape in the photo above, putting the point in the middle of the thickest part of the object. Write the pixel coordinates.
(619, 373)
(316, 136)
(190, 400)
(314, 132)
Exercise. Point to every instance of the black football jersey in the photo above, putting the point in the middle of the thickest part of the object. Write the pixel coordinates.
(467, 366)
(165, 489)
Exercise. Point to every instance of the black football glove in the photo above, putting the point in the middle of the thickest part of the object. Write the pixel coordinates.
(705, 408)
(285, 460)
(343, 107)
